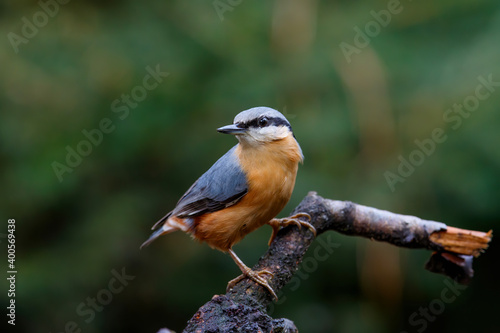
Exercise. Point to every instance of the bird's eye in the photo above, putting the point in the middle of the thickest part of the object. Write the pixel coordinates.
(263, 121)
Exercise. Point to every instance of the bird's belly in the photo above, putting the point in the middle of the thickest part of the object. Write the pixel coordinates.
(224, 228)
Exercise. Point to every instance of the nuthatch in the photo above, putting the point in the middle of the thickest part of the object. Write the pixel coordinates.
(245, 189)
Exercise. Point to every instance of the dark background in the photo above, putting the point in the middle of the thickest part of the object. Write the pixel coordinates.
(355, 117)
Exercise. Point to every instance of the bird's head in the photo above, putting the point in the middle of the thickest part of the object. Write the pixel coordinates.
(258, 126)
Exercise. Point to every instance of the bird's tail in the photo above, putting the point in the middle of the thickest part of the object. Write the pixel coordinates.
(165, 229)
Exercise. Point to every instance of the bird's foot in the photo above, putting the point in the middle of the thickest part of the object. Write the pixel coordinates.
(277, 224)
(256, 276)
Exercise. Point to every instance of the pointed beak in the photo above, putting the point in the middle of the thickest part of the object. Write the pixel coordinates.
(231, 129)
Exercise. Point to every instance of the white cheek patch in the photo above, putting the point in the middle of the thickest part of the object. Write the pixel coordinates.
(270, 133)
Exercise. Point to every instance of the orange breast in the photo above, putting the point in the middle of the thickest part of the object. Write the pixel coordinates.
(271, 170)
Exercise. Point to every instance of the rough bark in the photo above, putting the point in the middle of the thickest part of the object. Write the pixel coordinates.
(243, 308)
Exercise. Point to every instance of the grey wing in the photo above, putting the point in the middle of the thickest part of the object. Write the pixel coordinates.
(223, 185)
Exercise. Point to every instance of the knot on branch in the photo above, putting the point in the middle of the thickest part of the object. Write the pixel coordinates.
(222, 314)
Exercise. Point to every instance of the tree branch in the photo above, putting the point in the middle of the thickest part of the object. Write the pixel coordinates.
(243, 307)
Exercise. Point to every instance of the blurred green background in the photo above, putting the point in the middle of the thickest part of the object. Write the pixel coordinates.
(356, 117)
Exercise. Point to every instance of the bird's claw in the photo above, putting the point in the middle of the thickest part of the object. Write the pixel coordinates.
(255, 276)
(277, 224)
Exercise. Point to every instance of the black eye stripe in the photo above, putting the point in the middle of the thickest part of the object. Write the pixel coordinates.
(271, 121)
